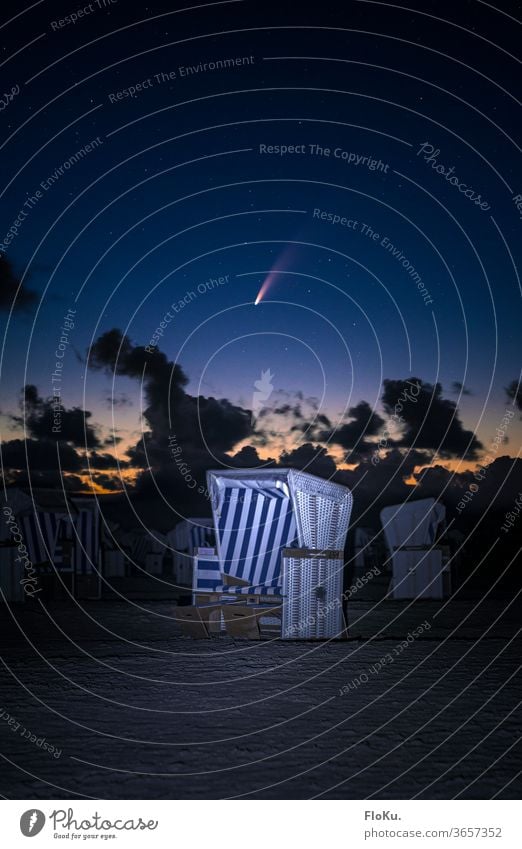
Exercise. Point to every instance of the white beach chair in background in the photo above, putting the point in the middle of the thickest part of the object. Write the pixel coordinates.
(412, 531)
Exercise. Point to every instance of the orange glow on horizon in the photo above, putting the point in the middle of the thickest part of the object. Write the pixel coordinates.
(124, 476)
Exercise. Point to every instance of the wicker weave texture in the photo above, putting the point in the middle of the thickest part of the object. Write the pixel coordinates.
(322, 510)
(312, 587)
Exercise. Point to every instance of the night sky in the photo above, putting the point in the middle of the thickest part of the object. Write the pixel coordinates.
(359, 159)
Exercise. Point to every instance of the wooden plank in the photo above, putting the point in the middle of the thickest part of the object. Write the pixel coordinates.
(191, 622)
(241, 621)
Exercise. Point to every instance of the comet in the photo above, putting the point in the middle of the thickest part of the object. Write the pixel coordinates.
(265, 287)
(282, 265)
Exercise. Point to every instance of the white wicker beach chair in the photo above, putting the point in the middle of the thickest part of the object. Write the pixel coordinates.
(257, 515)
(411, 531)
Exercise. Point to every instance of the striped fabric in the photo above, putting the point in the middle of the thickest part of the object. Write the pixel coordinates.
(140, 547)
(49, 538)
(207, 575)
(262, 590)
(62, 557)
(257, 514)
(209, 578)
(41, 532)
(254, 524)
(200, 536)
(87, 542)
(190, 534)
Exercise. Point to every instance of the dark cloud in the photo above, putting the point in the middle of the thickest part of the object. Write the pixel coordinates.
(112, 440)
(13, 293)
(458, 388)
(114, 353)
(429, 420)
(493, 488)
(290, 413)
(311, 458)
(139, 452)
(352, 435)
(40, 415)
(323, 420)
(312, 426)
(288, 409)
(220, 423)
(248, 458)
(376, 485)
(184, 435)
(118, 400)
(108, 482)
(104, 461)
(40, 455)
(187, 435)
(196, 422)
(514, 393)
(44, 480)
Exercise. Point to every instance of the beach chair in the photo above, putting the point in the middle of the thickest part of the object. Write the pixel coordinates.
(68, 544)
(419, 566)
(258, 514)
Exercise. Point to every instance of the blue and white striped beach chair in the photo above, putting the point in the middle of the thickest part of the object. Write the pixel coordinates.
(65, 543)
(257, 515)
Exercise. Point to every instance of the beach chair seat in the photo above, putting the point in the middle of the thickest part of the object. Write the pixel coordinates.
(265, 590)
(208, 580)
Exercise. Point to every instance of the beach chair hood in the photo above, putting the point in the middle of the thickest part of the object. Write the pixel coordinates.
(258, 513)
(413, 523)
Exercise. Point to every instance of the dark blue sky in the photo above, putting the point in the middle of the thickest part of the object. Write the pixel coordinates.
(176, 192)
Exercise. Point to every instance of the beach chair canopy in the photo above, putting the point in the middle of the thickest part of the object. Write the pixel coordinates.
(17, 502)
(413, 523)
(191, 534)
(257, 513)
(46, 534)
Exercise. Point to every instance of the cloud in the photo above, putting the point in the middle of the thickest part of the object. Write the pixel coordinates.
(286, 415)
(375, 486)
(458, 388)
(186, 435)
(108, 482)
(40, 455)
(39, 416)
(199, 422)
(45, 480)
(429, 420)
(218, 422)
(13, 293)
(121, 400)
(104, 461)
(494, 487)
(514, 393)
(248, 458)
(311, 458)
(352, 435)
(285, 409)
